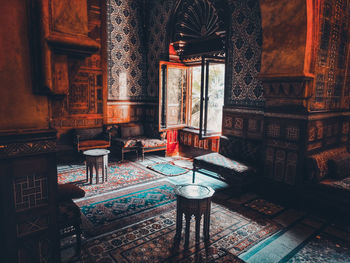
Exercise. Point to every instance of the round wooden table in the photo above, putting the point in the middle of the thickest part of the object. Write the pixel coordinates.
(193, 199)
(96, 158)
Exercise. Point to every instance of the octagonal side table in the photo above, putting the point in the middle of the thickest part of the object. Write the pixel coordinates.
(193, 199)
(96, 158)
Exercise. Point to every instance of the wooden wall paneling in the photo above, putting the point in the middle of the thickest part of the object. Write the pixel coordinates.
(284, 149)
(127, 111)
(172, 143)
(28, 196)
(243, 123)
(190, 138)
(84, 104)
(326, 131)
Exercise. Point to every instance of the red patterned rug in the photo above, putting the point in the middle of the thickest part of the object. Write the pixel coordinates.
(152, 240)
(119, 175)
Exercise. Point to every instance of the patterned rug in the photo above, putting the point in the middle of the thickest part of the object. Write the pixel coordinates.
(186, 163)
(264, 207)
(152, 240)
(124, 207)
(119, 175)
(168, 169)
(322, 248)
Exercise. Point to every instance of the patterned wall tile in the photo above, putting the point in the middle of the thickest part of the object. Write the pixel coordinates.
(158, 16)
(331, 57)
(244, 88)
(126, 52)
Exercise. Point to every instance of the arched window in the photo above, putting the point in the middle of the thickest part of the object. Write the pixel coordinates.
(192, 91)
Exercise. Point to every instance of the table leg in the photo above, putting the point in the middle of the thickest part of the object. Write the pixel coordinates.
(194, 172)
(96, 168)
(102, 164)
(178, 223)
(187, 230)
(106, 167)
(91, 168)
(87, 172)
(198, 224)
(206, 222)
(103, 173)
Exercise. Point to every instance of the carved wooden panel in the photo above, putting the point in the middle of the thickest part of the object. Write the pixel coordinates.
(188, 138)
(83, 104)
(130, 112)
(247, 125)
(69, 17)
(28, 196)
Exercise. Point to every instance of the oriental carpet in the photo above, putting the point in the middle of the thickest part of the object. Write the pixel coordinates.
(120, 208)
(152, 240)
(120, 175)
(167, 168)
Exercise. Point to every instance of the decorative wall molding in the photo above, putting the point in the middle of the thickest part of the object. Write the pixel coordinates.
(27, 142)
(287, 91)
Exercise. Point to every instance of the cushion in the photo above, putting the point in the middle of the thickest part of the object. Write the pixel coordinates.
(152, 143)
(318, 163)
(127, 131)
(67, 192)
(221, 163)
(339, 168)
(126, 142)
(343, 185)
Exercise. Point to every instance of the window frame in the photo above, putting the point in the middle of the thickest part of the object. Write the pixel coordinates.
(163, 102)
(163, 106)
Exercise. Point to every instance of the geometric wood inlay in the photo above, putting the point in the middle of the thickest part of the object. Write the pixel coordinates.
(30, 191)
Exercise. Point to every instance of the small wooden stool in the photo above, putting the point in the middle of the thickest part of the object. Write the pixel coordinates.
(193, 199)
(96, 158)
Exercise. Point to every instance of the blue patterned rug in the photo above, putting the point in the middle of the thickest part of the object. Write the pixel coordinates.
(167, 169)
(124, 207)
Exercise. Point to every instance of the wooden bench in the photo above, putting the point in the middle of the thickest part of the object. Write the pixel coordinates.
(226, 165)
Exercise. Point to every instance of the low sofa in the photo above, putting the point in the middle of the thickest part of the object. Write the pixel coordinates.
(235, 163)
(91, 138)
(138, 137)
(327, 179)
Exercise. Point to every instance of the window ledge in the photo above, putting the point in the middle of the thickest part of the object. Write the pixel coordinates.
(196, 131)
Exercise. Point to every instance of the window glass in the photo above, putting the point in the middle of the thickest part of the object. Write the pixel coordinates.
(215, 97)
